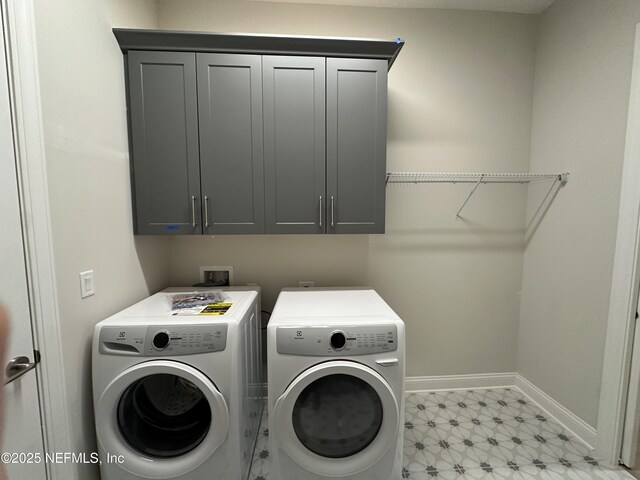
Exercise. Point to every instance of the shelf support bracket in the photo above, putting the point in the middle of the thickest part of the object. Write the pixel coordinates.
(563, 178)
(470, 195)
(560, 179)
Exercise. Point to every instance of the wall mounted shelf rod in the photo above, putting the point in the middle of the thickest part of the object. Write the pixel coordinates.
(477, 179)
(441, 177)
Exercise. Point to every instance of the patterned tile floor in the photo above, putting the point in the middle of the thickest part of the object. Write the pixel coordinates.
(479, 434)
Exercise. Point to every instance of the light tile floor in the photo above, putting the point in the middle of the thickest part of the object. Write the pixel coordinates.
(479, 434)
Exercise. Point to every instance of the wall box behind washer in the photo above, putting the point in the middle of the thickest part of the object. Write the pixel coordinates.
(217, 276)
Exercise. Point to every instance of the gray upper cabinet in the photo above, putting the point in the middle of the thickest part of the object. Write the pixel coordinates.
(356, 144)
(196, 141)
(294, 144)
(249, 134)
(310, 189)
(231, 163)
(164, 142)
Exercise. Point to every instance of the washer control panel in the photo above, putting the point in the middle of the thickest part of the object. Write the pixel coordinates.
(336, 341)
(169, 340)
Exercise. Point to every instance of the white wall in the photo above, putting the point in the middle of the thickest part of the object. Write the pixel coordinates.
(459, 100)
(83, 101)
(582, 81)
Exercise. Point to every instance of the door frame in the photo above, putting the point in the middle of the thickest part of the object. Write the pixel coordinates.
(20, 42)
(625, 284)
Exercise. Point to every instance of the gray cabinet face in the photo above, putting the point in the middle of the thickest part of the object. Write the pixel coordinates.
(294, 141)
(202, 162)
(356, 144)
(164, 138)
(231, 163)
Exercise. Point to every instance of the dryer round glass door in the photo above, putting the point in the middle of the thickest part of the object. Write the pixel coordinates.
(337, 418)
(337, 415)
(165, 418)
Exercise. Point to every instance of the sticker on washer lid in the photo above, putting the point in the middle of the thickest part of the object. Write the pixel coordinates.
(218, 308)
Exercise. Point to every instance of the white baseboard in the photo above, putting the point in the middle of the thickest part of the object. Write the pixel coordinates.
(560, 413)
(460, 382)
(581, 429)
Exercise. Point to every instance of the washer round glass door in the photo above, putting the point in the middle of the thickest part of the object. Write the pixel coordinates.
(165, 418)
(163, 415)
(337, 418)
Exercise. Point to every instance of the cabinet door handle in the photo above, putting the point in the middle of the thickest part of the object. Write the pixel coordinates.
(331, 201)
(193, 211)
(320, 204)
(206, 211)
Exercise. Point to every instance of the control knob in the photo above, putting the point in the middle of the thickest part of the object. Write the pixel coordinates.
(338, 340)
(161, 340)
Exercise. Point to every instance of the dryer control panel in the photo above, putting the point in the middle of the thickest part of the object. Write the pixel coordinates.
(158, 340)
(336, 341)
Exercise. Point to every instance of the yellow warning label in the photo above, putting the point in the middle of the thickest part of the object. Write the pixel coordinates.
(218, 308)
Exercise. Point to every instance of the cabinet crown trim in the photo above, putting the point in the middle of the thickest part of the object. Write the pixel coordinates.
(177, 41)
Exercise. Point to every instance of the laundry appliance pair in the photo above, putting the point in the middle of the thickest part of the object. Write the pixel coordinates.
(178, 396)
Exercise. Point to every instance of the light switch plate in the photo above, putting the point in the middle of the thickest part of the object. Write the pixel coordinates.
(87, 287)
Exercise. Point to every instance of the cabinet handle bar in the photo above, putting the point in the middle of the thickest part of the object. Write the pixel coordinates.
(331, 211)
(193, 211)
(206, 211)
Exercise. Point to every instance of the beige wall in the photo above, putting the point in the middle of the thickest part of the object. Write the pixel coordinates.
(582, 83)
(131, 14)
(83, 102)
(459, 100)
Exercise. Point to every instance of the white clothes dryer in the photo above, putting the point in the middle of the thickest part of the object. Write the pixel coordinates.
(336, 365)
(178, 396)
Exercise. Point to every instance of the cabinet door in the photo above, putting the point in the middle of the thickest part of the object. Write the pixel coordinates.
(164, 142)
(356, 144)
(231, 164)
(294, 129)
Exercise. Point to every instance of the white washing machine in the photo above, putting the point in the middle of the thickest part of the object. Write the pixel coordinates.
(178, 396)
(336, 365)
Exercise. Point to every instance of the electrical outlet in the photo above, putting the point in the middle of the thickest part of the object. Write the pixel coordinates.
(217, 276)
(307, 284)
(87, 287)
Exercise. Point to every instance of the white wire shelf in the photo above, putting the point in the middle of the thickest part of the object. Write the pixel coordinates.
(442, 177)
(559, 179)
